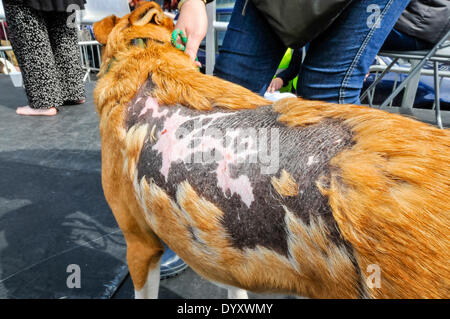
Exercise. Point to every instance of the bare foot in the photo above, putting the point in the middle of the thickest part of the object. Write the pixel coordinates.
(27, 110)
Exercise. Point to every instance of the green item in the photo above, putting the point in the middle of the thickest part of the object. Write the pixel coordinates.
(179, 33)
(182, 47)
(284, 64)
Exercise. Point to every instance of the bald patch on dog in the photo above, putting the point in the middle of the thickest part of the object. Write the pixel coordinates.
(253, 211)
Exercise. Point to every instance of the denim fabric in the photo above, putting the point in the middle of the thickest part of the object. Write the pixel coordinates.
(251, 51)
(336, 62)
(399, 41)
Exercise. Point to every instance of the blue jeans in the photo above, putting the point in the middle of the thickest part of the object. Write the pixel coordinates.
(336, 61)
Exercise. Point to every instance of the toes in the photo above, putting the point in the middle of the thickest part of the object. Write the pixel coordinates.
(26, 110)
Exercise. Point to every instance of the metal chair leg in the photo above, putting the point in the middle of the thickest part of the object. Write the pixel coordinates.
(437, 97)
(409, 95)
(374, 84)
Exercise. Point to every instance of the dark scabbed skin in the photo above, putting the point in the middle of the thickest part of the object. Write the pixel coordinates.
(263, 223)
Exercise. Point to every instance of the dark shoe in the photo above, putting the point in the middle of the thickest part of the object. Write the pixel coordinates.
(171, 264)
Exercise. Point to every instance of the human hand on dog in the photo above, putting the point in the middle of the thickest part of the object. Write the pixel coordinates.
(193, 21)
(275, 85)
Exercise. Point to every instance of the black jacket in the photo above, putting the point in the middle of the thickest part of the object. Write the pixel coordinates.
(427, 20)
(293, 69)
(297, 22)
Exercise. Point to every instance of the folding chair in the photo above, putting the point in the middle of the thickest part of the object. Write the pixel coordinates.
(439, 53)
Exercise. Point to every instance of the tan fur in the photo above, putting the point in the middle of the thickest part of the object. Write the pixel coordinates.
(405, 180)
(143, 247)
(285, 185)
(388, 192)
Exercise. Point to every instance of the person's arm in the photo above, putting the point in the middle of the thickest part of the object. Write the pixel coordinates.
(288, 74)
(294, 67)
(193, 21)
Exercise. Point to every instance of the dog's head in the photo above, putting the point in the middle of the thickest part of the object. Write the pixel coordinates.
(147, 21)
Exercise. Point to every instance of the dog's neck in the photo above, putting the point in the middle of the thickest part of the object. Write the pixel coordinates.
(137, 42)
(142, 42)
(176, 79)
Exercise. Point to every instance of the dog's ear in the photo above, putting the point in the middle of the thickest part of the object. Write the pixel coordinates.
(147, 12)
(103, 28)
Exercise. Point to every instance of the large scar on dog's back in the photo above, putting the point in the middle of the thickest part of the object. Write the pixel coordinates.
(285, 185)
(327, 266)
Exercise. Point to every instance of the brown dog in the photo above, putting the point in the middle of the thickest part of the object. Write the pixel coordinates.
(300, 197)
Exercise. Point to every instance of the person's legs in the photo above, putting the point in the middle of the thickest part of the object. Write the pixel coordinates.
(30, 42)
(399, 41)
(338, 60)
(251, 51)
(64, 42)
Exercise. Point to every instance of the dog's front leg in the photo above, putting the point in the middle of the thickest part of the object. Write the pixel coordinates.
(144, 249)
(151, 286)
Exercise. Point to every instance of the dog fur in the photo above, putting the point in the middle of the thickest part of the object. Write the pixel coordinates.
(374, 192)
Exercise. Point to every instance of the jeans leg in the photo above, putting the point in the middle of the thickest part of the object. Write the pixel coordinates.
(399, 41)
(338, 60)
(251, 51)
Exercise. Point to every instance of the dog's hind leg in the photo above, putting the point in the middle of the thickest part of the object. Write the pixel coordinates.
(144, 252)
(237, 293)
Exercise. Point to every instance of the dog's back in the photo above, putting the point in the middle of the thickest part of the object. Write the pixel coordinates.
(243, 194)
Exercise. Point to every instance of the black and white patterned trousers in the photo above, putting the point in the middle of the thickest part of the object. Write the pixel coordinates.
(48, 55)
